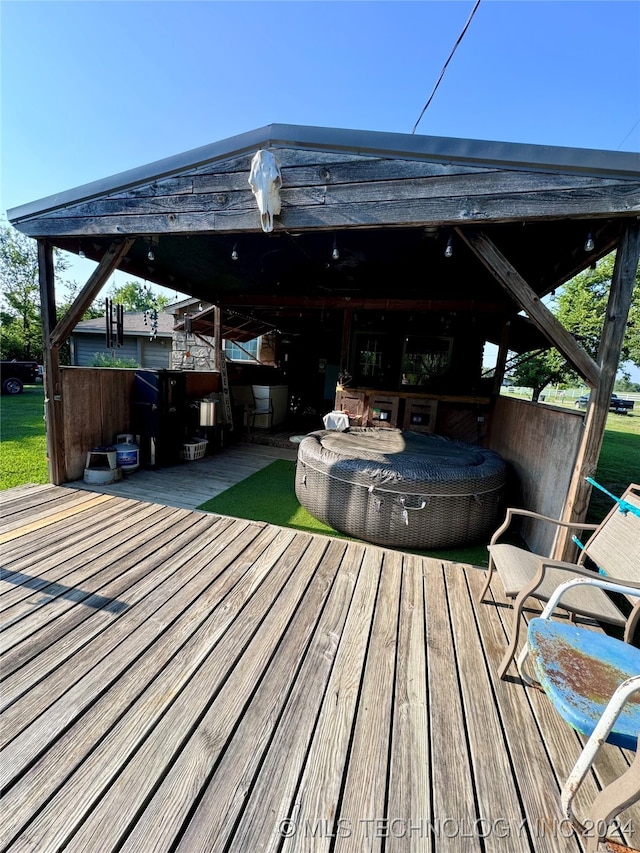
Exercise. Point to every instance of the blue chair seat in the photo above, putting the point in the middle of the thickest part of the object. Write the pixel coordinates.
(580, 670)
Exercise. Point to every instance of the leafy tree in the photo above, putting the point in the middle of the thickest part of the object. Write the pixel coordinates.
(134, 296)
(538, 369)
(582, 304)
(20, 318)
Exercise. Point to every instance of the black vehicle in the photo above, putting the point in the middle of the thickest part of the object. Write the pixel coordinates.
(620, 407)
(14, 375)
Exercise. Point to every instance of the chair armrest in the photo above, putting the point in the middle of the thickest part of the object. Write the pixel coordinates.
(626, 588)
(527, 513)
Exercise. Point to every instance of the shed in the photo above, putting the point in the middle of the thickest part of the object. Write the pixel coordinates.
(382, 251)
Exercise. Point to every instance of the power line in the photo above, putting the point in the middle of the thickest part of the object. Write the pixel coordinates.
(444, 67)
(628, 134)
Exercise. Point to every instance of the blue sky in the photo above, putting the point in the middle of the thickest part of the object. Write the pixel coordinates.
(89, 89)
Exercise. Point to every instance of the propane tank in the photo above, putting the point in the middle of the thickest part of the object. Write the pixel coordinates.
(127, 453)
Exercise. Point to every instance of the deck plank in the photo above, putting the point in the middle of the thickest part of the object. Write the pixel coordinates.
(314, 803)
(454, 809)
(489, 748)
(262, 689)
(410, 760)
(365, 787)
(273, 790)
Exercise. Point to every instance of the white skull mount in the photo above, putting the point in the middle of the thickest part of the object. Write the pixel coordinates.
(266, 180)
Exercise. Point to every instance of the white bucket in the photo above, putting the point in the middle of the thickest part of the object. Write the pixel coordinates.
(127, 453)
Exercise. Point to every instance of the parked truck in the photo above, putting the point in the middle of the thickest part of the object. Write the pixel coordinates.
(617, 405)
(14, 375)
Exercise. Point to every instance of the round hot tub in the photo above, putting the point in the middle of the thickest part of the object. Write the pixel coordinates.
(400, 489)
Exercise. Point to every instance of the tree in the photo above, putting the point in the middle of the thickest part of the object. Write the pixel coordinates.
(134, 296)
(20, 303)
(538, 369)
(582, 305)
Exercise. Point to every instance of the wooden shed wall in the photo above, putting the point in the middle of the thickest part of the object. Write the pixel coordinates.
(540, 444)
(97, 406)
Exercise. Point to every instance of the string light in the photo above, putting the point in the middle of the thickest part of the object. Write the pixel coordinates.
(335, 254)
(234, 252)
(150, 254)
(589, 245)
(81, 253)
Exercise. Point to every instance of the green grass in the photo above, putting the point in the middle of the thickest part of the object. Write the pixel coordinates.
(268, 495)
(23, 448)
(619, 462)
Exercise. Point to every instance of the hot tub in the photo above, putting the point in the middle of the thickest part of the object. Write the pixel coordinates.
(400, 489)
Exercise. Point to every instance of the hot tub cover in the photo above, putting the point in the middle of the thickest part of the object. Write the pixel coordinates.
(400, 488)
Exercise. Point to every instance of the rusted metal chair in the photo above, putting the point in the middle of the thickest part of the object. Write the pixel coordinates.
(591, 679)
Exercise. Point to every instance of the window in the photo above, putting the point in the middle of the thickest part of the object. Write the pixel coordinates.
(241, 352)
(424, 358)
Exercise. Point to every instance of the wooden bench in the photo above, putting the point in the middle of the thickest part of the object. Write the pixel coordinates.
(613, 546)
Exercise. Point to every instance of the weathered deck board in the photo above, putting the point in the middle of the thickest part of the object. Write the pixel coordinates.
(263, 689)
(192, 483)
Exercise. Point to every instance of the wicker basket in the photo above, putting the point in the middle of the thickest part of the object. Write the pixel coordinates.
(194, 449)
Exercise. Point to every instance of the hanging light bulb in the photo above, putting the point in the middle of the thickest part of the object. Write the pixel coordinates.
(81, 253)
(234, 252)
(335, 254)
(150, 254)
(589, 245)
(448, 252)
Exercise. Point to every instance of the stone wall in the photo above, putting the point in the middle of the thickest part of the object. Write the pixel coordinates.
(192, 352)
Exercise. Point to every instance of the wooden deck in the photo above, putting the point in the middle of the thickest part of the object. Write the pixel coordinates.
(178, 681)
(192, 483)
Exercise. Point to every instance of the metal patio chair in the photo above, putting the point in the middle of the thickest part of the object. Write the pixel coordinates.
(614, 547)
(591, 679)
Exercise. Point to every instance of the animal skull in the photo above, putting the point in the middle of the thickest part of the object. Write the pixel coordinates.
(266, 180)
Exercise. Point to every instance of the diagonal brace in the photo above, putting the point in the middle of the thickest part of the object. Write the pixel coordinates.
(110, 260)
(524, 295)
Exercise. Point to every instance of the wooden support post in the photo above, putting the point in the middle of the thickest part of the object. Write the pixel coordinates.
(529, 301)
(53, 408)
(217, 338)
(347, 318)
(501, 361)
(98, 278)
(620, 296)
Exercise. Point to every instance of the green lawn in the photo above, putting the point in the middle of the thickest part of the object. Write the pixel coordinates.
(23, 449)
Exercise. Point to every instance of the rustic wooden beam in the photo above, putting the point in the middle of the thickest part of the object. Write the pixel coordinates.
(501, 361)
(217, 338)
(347, 319)
(524, 295)
(110, 260)
(259, 301)
(618, 306)
(53, 404)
